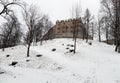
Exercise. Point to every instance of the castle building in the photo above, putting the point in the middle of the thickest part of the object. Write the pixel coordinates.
(66, 28)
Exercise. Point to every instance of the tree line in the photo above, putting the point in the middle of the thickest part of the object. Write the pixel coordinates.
(36, 22)
(109, 20)
(106, 25)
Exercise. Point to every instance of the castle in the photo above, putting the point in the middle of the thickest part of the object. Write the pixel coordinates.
(65, 29)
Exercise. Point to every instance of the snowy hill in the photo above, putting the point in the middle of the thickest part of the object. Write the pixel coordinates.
(96, 63)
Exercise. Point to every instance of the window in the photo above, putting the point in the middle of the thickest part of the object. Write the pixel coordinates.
(58, 28)
(58, 32)
(66, 27)
(71, 31)
(63, 31)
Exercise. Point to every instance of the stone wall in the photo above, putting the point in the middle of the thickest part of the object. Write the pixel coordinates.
(65, 29)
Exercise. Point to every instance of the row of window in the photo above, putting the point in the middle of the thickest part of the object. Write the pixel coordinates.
(65, 28)
(65, 31)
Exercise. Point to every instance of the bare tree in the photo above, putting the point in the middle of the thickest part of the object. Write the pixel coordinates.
(107, 28)
(87, 19)
(11, 32)
(106, 11)
(47, 24)
(116, 11)
(38, 30)
(76, 12)
(100, 25)
(112, 10)
(33, 20)
(92, 30)
(6, 5)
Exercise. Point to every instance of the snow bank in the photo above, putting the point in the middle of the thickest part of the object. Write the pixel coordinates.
(96, 63)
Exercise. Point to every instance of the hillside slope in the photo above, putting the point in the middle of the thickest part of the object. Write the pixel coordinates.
(96, 63)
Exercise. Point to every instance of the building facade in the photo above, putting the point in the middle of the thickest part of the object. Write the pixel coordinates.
(66, 28)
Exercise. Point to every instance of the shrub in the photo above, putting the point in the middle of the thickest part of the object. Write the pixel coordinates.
(90, 43)
(53, 49)
(67, 48)
(39, 55)
(71, 51)
(72, 45)
(27, 60)
(7, 55)
(13, 63)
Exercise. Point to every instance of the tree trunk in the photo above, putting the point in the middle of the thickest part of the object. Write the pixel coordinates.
(3, 45)
(41, 42)
(3, 49)
(83, 34)
(116, 48)
(92, 32)
(75, 35)
(28, 50)
(92, 36)
(87, 36)
(119, 49)
(75, 45)
(107, 35)
(99, 34)
(87, 33)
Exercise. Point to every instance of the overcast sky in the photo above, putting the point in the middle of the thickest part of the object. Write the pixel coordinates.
(61, 9)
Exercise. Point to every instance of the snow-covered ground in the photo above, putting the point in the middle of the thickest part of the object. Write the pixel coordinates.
(96, 63)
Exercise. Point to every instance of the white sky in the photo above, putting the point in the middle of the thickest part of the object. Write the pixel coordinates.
(61, 9)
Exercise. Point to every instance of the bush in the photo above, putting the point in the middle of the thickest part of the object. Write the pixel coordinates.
(7, 55)
(13, 63)
(63, 44)
(68, 45)
(53, 49)
(90, 43)
(72, 45)
(67, 48)
(2, 72)
(71, 51)
(27, 60)
(39, 55)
